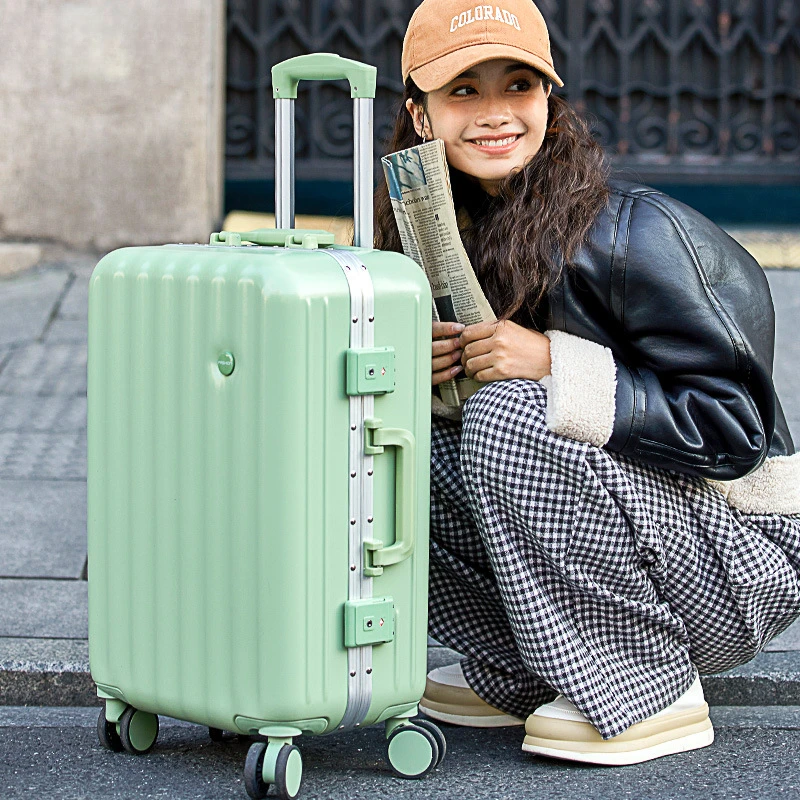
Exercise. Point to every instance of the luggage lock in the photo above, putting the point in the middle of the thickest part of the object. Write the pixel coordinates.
(370, 370)
(368, 622)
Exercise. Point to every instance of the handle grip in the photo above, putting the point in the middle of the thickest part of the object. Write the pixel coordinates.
(276, 237)
(405, 494)
(322, 67)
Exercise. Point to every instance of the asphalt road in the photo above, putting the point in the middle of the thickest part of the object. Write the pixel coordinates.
(54, 753)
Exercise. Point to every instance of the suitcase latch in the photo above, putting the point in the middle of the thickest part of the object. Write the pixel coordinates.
(370, 370)
(368, 622)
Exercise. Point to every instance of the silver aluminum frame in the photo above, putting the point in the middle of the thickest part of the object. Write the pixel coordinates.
(362, 167)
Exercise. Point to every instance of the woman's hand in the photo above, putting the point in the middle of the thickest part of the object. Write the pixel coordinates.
(446, 360)
(496, 351)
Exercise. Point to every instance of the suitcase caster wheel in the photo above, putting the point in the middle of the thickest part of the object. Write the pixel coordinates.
(107, 733)
(288, 772)
(254, 782)
(412, 751)
(138, 731)
(283, 762)
(441, 742)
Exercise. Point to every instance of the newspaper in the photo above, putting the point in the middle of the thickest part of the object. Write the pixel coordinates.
(419, 187)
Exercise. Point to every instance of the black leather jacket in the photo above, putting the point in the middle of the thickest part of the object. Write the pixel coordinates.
(688, 316)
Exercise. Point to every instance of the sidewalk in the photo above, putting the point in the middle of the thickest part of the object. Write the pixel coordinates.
(43, 613)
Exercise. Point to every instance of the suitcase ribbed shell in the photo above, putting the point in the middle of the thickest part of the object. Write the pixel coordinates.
(218, 505)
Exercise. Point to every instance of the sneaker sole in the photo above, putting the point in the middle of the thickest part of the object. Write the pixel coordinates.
(621, 758)
(470, 721)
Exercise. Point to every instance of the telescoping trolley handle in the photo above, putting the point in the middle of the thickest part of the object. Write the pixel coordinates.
(324, 67)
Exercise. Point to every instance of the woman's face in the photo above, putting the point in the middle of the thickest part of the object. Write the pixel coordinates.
(491, 118)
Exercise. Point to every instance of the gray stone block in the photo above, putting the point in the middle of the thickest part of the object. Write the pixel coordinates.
(144, 164)
(26, 304)
(55, 609)
(51, 672)
(42, 529)
(53, 456)
(45, 369)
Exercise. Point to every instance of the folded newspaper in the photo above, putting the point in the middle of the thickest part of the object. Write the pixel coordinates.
(419, 187)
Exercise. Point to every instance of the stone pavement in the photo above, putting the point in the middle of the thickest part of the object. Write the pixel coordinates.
(43, 613)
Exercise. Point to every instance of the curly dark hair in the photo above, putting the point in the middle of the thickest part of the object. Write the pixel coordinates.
(519, 240)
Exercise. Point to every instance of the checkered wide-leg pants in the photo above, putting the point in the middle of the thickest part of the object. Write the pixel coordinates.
(557, 566)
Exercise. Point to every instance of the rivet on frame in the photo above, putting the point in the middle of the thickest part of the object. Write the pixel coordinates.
(352, 568)
(369, 519)
(369, 671)
(352, 474)
(352, 674)
(369, 473)
(352, 522)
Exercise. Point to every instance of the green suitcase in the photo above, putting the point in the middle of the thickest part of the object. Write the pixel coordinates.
(258, 480)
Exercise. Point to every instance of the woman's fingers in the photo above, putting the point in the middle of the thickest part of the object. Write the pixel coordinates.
(445, 374)
(479, 348)
(481, 330)
(446, 362)
(475, 365)
(441, 347)
(445, 351)
(441, 329)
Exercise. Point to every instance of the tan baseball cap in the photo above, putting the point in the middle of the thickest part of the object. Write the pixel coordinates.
(446, 37)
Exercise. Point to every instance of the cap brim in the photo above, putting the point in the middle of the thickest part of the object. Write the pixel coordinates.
(441, 71)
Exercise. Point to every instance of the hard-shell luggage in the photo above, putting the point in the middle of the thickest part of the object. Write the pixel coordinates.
(258, 480)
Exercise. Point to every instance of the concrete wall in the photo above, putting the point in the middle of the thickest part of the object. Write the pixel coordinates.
(111, 120)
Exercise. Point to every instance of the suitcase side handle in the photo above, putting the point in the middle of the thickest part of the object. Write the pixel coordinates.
(376, 555)
(322, 67)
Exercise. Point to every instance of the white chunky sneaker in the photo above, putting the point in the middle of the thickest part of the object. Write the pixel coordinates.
(559, 730)
(448, 698)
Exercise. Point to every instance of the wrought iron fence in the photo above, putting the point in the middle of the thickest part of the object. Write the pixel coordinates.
(689, 90)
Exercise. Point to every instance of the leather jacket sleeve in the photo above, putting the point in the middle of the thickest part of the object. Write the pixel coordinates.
(695, 319)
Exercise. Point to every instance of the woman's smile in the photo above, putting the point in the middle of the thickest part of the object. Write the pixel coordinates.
(497, 145)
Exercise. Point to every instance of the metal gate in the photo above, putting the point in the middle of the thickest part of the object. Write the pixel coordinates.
(688, 91)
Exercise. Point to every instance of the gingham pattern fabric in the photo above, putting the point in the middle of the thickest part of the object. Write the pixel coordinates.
(557, 566)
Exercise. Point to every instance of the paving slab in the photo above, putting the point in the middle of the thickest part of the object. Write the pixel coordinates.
(26, 304)
(42, 413)
(51, 456)
(785, 288)
(45, 369)
(48, 609)
(75, 303)
(67, 331)
(42, 529)
(789, 640)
